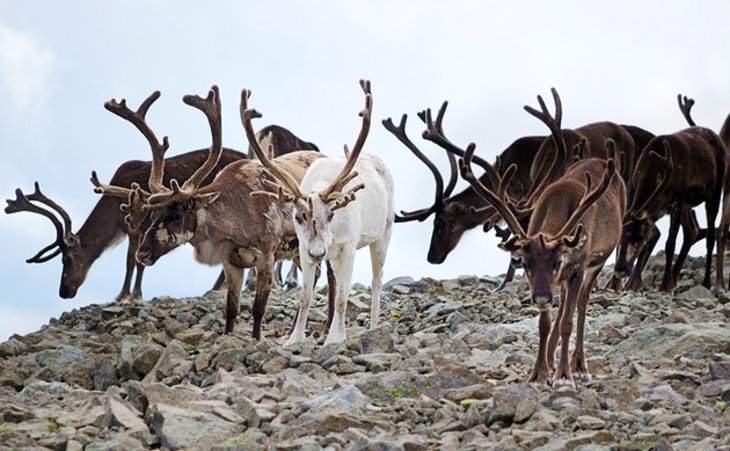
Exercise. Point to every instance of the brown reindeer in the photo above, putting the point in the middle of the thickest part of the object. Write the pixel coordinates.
(673, 174)
(573, 229)
(452, 214)
(221, 221)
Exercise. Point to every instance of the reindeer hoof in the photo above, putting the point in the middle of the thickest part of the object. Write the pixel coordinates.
(563, 382)
(582, 377)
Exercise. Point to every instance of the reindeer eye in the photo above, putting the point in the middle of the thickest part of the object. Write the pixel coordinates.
(176, 218)
(330, 216)
(300, 217)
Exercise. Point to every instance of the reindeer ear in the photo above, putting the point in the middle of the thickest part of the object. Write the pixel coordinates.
(577, 238)
(203, 200)
(512, 245)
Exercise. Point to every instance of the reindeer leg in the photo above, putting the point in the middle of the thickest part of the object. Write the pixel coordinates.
(131, 264)
(578, 364)
(378, 251)
(300, 322)
(264, 276)
(721, 242)
(220, 281)
(562, 375)
(711, 208)
(278, 277)
(540, 372)
(251, 279)
(291, 278)
(555, 332)
(668, 283)
(234, 279)
(690, 230)
(635, 283)
(342, 267)
(331, 295)
(137, 290)
(507, 277)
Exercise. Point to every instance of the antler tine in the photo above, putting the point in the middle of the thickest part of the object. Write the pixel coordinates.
(488, 195)
(346, 198)
(108, 190)
(289, 183)
(339, 182)
(211, 107)
(400, 133)
(685, 106)
(22, 203)
(38, 196)
(137, 118)
(591, 196)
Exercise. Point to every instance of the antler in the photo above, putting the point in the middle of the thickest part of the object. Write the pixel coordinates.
(346, 174)
(211, 107)
(287, 188)
(435, 133)
(23, 203)
(400, 133)
(591, 196)
(685, 106)
(137, 118)
(488, 195)
(561, 151)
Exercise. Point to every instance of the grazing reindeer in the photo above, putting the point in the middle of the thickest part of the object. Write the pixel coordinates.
(572, 231)
(673, 174)
(452, 214)
(329, 223)
(105, 226)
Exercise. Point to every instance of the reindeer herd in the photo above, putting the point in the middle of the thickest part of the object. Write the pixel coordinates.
(562, 204)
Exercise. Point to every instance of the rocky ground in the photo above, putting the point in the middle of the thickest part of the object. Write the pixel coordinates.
(445, 370)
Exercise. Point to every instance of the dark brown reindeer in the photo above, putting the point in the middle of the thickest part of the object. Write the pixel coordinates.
(685, 106)
(556, 155)
(573, 229)
(452, 214)
(222, 222)
(673, 174)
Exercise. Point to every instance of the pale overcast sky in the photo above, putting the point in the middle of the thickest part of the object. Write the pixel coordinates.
(622, 61)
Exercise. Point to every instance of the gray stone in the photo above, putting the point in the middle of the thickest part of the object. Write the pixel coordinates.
(186, 429)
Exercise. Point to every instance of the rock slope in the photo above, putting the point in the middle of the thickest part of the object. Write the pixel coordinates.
(444, 371)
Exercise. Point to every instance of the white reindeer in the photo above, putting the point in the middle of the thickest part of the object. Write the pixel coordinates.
(329, 223)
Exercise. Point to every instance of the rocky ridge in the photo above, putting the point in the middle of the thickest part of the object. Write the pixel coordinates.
(443, 371)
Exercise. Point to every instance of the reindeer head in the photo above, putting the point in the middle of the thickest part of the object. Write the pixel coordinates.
(175, 209)
(314, 212)
(544, 256)
(452, 217)
(75, 266)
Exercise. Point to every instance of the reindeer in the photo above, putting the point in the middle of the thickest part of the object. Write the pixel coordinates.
(220, 220)
(572, 231)
(452, 214)
(105, 226)
(330, 225)
(283, 142)
(700, 159)
(685, 106)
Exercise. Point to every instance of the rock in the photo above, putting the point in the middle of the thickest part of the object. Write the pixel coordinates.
(508, 400)
(145, 358)
(186, 429)
(720, 370)
(377, 362)
(667, 341)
